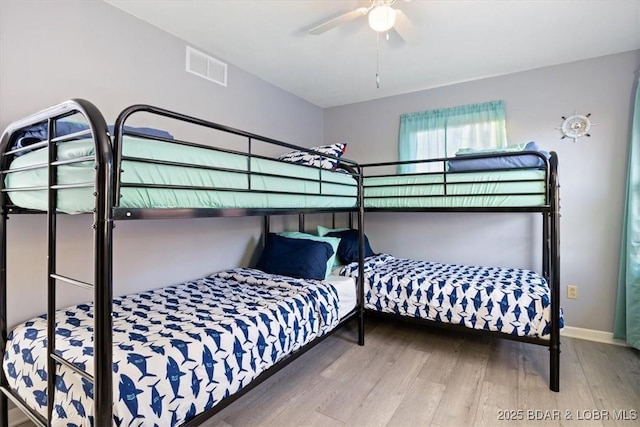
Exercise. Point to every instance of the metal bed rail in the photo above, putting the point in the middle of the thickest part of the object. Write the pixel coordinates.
(553, 271)
(248, 153)
(321, 184)
(445, 187)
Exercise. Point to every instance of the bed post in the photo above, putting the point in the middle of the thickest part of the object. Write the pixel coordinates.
(360, 258)
(546, 244)
(4, 407)
(554, 348)
(546, 220)
(266, 229)
(52, 233)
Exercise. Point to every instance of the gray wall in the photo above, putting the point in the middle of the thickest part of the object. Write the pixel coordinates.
(52, 51)
(592, 175)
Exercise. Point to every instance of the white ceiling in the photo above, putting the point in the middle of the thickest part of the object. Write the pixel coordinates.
(455, 40)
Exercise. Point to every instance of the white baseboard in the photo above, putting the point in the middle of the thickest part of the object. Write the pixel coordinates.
(591, 335)
(16, 417)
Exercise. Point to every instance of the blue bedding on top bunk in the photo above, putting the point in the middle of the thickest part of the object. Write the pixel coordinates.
(508, 300)
(40, 132)
(178, 350)
(524, 160)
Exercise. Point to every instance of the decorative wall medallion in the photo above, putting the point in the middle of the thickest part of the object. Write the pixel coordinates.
(576, 126)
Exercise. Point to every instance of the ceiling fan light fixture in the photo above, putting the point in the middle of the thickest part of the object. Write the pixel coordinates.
(382, 18)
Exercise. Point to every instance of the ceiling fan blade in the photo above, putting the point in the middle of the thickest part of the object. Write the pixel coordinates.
(404, 27)
(338, 20)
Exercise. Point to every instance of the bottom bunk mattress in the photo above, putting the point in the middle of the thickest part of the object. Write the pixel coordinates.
(178, 350)
(508, 300)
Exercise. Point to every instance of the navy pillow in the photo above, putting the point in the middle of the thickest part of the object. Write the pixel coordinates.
(523, 160)
(153, 132)
(301, 258)
(40, 131)
(348, 248)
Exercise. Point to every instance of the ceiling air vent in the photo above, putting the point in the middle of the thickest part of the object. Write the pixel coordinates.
(206, 66)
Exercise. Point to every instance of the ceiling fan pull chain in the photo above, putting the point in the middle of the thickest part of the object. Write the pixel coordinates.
(377, 60)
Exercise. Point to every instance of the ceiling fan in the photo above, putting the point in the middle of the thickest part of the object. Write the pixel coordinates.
(382, 18)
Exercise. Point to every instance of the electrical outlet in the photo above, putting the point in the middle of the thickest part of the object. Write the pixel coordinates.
(572, 292)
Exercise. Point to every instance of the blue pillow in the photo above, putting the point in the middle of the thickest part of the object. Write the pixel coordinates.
(301, 258)
(333, 241)
(157, 133)
(348, 248)
(40, 131)
(524, 160)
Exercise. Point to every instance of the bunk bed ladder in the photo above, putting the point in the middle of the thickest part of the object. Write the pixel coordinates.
(102, 287)
(53, 359)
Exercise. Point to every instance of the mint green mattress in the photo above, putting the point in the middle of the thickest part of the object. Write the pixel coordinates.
(469, 189)
(323, 192)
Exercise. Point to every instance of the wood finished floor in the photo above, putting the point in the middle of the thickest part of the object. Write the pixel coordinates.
(407, 375)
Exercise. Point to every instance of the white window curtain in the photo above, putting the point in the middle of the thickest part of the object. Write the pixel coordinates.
(440, 133)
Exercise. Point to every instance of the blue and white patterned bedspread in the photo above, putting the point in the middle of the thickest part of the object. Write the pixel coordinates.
(178, 350)
(508, 300)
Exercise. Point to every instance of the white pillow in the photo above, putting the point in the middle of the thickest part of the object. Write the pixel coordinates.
(317, 160)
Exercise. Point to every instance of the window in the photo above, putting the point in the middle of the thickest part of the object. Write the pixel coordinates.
(440, 133)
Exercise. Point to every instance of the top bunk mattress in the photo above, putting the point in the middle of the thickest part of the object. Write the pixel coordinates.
(240, 183)
(481, 189)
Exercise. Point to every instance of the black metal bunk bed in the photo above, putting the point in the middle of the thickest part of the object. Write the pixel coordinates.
(474, 190)
(107, 188)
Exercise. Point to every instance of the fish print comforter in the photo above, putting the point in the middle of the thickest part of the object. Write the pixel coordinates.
(508, 300)
(178, 350)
